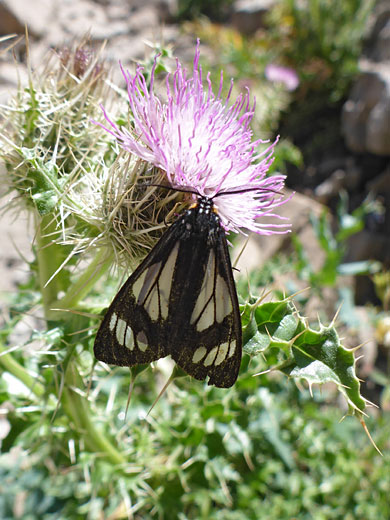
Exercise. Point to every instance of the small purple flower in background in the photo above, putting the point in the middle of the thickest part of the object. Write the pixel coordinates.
(204, 145)
(285, 75)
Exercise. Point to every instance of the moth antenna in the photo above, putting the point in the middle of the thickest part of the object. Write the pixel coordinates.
(245, 190)
(183, 189)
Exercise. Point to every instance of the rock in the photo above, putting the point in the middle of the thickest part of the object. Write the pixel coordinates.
(330, 187)
(367, 245)
(78, 18)
(347, 177)
(261, 248)
(366, 114)
(16, 14)
(248, 15)
(16, 238)
(9, 22)
(10, 75)
(145, 20)
(381, 183)
(167, 10)
(363, 334)
(377, 46)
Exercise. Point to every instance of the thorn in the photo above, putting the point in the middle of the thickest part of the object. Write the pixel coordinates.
(359, 346)
(336, 315)
(369, 435)
(260, 299)
(292, 340)
(249, 284)
(248, 460)
(369, 403)
(343, 386)
(89, 385)
(268, 334)
(131, 386)
(61, 389)
(295, 307)
(79, 313)
(298, 292)
(244, 246)
(82, 330)
(263, 372)
(311, 389)
(161, 393)
(359, 357)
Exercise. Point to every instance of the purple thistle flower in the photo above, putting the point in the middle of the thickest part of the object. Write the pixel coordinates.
(280, 74)
(204, 145)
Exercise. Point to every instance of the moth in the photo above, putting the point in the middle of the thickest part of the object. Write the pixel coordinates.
(180, 301)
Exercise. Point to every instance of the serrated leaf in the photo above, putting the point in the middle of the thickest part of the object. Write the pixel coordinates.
(42, 181)
(314, 355)
(270, 322)
(319, 357)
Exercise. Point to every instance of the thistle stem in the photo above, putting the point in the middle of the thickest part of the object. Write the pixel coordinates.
(48, 261)
(81, 287)
(17, 370)
(77, 408)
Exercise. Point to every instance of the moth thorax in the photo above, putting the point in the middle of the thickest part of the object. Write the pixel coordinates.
(205, 205)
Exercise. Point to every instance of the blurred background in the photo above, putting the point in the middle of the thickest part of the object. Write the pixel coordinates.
(320, 73)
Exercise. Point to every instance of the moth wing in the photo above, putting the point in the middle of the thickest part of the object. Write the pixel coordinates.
(132, 330)
(213, 342)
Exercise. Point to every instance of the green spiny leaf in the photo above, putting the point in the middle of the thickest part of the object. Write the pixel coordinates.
(314, 355)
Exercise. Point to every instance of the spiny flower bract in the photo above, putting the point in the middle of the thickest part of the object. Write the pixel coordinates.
(204, 145)
(63, 170)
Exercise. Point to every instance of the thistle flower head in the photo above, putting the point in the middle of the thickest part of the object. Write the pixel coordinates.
(62, 168)
(203, 143)
(284, 75)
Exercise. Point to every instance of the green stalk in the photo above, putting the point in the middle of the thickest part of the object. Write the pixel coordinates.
(17, 370)
(78, 410)
(48, 260)
(81, 287)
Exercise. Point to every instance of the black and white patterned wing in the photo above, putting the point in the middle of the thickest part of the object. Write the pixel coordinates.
(211, 343)
(180, 301)
(133, 329)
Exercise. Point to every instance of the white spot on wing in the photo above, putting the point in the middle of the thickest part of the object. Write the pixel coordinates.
(221, 356)
(165, 280)
(141, 339)
(206, 319)
(146, 280)
(210, 357)
(232, 348)
(137, 286)
(153, 287)
(203, 312)
(120, 331)
(151, 304)
(113, 320)
(223, 299)
(199, 354)
(129, 342)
